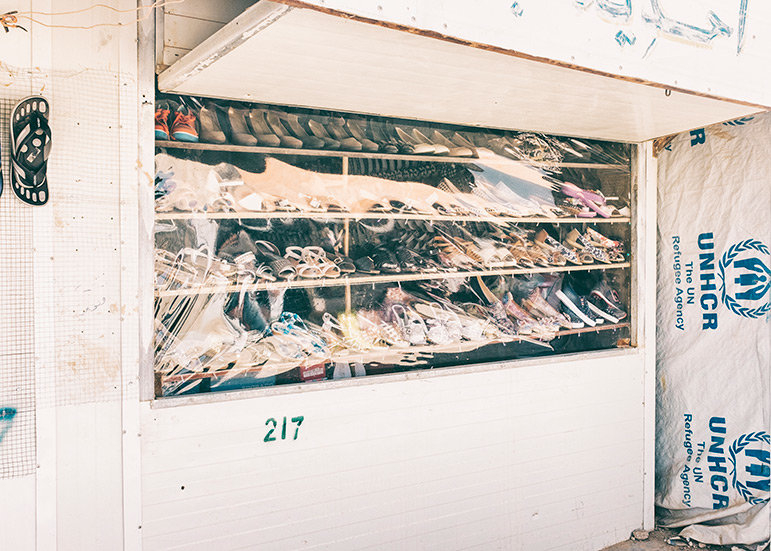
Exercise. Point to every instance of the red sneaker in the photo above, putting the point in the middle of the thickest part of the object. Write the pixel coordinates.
(162, 112)
(183, 125)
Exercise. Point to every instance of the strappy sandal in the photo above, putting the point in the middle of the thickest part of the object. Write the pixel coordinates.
(468, 248)
(519, 252)
(349, 325)
(312, 262)
(345, 264)
(443, 326)
(246, 265)
(30, 148)
(269, 254)
(371, 331)
(411, 325)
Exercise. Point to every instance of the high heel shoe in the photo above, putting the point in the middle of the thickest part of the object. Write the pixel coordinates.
(323, 131)
(260, 130)
(274, 123)
(292, 123)
(211, 130)
(239, 132)
(421, 138)
(454, 150)
(334, 126)
(378, 135)
(356, 131)
(418, 147)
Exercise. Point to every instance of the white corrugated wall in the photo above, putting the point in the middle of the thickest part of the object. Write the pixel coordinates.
(529, 457)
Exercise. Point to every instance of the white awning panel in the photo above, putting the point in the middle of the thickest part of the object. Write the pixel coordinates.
(274, 53)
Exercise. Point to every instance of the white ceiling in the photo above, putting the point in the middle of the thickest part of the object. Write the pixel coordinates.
(277, 54)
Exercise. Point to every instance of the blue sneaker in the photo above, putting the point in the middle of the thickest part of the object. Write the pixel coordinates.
(604, 301)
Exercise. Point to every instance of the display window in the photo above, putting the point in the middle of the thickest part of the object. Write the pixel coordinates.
(296, 246)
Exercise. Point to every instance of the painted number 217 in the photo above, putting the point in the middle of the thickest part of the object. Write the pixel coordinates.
(272, 425)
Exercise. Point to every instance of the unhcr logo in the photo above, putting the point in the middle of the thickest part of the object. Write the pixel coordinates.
(750, 466)
(745, 279)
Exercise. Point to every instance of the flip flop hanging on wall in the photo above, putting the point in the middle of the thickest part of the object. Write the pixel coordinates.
(30, 148)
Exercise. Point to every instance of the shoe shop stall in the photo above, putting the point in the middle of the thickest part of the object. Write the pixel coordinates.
(344, 275)
(404, 272)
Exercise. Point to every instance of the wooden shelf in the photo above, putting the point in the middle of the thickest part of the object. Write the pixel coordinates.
(381, 355)
(382, 278)
(492, 162)
(386, 216)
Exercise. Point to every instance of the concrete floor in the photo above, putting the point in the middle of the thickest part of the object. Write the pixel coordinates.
(657, 541)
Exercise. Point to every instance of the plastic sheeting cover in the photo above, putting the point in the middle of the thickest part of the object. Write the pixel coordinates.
(714, 339)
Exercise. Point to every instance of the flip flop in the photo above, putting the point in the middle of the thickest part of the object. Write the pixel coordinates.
(30, 147)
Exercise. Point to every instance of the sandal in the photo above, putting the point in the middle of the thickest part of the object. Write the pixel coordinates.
(312, 262)
(385, 261)
(30, 147)
(411, 325)
(365, 265)
(345, 264)
(349, 325)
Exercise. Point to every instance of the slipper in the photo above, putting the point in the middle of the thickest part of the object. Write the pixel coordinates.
(385, 261)
(30, 147)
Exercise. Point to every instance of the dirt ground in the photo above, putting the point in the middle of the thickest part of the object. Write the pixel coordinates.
(657, 541)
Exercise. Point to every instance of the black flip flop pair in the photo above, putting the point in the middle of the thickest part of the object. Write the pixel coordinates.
(30, 147)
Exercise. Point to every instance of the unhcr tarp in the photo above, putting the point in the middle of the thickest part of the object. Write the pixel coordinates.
(714, 336)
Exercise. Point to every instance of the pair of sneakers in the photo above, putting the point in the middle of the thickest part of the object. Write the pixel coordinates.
(174, 121)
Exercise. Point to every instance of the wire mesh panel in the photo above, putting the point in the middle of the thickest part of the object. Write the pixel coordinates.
(17, 376)
(60, 264)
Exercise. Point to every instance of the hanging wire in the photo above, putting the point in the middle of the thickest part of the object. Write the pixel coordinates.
(10, 19)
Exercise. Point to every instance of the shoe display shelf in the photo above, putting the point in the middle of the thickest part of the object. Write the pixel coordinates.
(346, 281)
